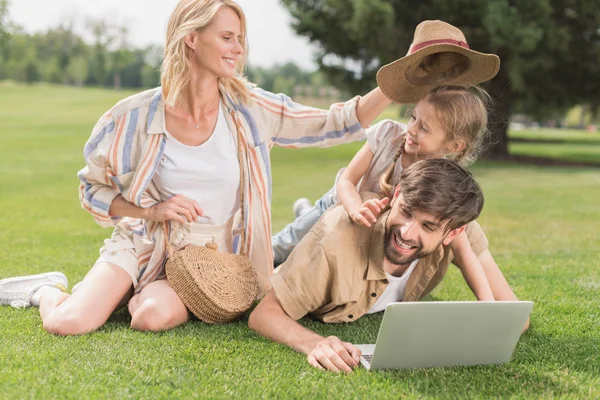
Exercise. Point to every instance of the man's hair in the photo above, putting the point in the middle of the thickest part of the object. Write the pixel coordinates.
(444, 189)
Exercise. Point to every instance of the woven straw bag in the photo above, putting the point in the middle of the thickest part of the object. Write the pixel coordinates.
(216, 287)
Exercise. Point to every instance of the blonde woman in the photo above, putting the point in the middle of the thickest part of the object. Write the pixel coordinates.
(188, 157)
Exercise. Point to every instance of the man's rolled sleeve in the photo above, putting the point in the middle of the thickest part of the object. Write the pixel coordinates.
(287, 298)
(301, 284)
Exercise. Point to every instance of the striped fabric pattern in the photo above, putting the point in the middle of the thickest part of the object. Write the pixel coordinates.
(127, 143)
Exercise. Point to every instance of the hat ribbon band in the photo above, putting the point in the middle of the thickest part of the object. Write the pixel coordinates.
(421, 45)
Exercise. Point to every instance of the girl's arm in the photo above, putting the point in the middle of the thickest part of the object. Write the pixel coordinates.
(361, 213)
(471, 267)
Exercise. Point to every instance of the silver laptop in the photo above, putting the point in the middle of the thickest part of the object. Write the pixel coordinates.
(446, 333)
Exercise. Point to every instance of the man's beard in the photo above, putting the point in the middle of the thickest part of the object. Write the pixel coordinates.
(396, 257)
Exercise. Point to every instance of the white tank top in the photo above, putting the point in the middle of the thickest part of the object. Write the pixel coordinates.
(209, 173)
(395, 289)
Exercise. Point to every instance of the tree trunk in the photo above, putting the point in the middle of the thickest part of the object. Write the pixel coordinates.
(499, 115)
(594, 107)
(117, 81)
(582, 115)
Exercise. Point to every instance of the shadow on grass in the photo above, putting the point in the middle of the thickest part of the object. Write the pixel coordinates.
(547, 161)
(555, 141)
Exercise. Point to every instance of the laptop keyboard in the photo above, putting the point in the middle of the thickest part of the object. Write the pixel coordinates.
(367, 357)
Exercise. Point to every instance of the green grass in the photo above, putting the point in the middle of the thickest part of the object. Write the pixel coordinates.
(567, 135)
(542, 224)
(589, 153)
(561, 144)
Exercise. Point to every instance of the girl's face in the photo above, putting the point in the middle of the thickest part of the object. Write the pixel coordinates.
(217, 48)
(425, 134)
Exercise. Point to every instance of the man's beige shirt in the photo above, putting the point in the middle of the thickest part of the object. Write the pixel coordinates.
(336, 272)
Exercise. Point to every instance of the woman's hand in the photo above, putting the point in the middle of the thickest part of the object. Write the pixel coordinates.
(370, 210)
(178, 208)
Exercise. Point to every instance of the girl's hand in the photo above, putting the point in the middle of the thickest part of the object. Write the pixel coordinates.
(368, 213)
(178, 208)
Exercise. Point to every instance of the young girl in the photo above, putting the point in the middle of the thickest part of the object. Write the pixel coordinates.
(449, 122)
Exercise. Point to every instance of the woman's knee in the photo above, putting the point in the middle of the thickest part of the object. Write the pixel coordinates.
(152, 316)
(66, 321)
(133, 304)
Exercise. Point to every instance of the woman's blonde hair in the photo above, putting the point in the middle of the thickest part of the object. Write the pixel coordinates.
(190, 16)
(463, 113)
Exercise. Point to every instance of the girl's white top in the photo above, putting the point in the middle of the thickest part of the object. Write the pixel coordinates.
(208, 173)
(385, 140)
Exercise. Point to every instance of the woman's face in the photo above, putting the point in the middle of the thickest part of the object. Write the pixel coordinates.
(217, 48)
(425, 134)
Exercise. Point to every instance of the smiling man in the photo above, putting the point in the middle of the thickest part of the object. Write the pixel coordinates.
(341, 271)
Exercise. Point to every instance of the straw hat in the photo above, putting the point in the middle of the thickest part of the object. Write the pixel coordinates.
(216, 287)
(438, 55)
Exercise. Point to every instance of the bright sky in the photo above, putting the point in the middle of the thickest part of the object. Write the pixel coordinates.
(271, 38)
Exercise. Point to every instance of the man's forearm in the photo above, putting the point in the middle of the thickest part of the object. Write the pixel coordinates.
(271, 321)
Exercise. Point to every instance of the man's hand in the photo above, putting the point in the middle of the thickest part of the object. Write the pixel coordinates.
(368, 213)
(178, 208)
(334, 355)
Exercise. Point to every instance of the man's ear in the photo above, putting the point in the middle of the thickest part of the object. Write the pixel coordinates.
(396, 195)
(453, 234)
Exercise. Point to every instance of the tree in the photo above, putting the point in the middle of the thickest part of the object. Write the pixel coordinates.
(150, 73)
(120, 55)
(103, 36)
(56, 49)
(549, 49)
(4, 32)
(31, 71)
(78, 71)
(283, 84)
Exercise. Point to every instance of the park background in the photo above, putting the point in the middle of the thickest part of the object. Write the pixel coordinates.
(541, 179)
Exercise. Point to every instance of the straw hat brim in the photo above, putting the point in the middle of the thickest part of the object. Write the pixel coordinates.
(394, 83)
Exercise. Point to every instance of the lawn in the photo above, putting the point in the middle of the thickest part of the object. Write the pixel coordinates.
(542, 224)
(564, 144)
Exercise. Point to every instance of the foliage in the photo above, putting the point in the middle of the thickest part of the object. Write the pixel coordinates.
(279, 78)
(60, 55)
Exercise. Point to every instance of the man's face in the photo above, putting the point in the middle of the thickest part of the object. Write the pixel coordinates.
(411, 234)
